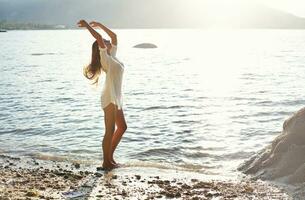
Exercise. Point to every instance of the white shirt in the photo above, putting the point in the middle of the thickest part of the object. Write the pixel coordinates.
(112, 91)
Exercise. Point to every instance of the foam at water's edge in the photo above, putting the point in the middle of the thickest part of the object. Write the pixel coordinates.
(283, 161)
(131, 164)
(165, 166)
(187, 168)
(144, 167)
(45, 157)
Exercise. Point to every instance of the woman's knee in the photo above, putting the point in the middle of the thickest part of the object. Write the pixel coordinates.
(109, 131)
(123, 127)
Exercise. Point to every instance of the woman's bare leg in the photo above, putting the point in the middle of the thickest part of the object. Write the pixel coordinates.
(120, 130)
(110, 115)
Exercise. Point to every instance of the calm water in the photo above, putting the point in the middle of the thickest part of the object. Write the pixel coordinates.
(203, 100)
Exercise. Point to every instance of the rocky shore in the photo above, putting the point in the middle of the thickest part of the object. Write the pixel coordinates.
(28, 178)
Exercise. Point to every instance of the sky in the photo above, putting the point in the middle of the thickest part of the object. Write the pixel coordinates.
(296, 7)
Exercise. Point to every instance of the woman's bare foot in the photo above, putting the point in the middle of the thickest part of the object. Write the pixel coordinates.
(112, 160)
(108, 166)
(115, 164)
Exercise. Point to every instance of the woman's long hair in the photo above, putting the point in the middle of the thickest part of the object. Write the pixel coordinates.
(93, 70)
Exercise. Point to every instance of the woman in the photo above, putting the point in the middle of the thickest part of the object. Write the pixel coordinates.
(104, 60)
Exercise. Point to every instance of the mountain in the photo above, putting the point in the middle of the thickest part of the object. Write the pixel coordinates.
(147, 14)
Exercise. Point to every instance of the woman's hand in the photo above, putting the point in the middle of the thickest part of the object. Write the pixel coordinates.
(82, 23)
(111, 34)
(95, 24)
(94, 33)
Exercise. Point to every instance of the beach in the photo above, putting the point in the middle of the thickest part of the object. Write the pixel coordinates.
(193, 118)
(27, 178)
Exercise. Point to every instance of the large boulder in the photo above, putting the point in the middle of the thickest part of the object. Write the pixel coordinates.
(145, 46)
(284, 158)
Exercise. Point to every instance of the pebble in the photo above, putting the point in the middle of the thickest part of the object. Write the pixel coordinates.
(99, 169)
(98, 174)
(32, 193)
(124, 193)
(42, 187)
(77, 165)
(78, 176)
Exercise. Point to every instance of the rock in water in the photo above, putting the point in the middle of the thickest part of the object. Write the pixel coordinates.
(145, 46)
(285, 156)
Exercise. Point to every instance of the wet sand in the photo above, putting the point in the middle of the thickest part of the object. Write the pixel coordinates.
(28, 178)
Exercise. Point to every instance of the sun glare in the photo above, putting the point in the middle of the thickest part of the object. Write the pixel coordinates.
(220, 14)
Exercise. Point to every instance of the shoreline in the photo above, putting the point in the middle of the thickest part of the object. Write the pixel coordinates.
(29, 178)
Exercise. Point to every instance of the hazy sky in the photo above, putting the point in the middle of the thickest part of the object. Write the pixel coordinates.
(296, 7)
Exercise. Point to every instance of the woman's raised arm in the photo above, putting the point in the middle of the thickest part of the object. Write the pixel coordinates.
(111, 34)
(96, 35)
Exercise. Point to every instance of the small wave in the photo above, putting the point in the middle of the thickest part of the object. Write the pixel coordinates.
(292, 102)
(185, 121)
(7, 132)
(30, 131)
(41, 156)
(41, 54)
(62, 99)
(157, 151)
(188, 89)
(277, 113)
(58, 158)
(200, 155)
(237, 155)
(163, 107)
(45, 80)
(136, 93)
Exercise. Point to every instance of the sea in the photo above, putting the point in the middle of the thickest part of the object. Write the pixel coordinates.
(202, 101)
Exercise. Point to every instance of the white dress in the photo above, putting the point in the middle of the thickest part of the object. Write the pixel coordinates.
(112, 91)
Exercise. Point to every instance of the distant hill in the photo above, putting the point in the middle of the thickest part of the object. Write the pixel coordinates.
(13, 25)
(144, 14)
